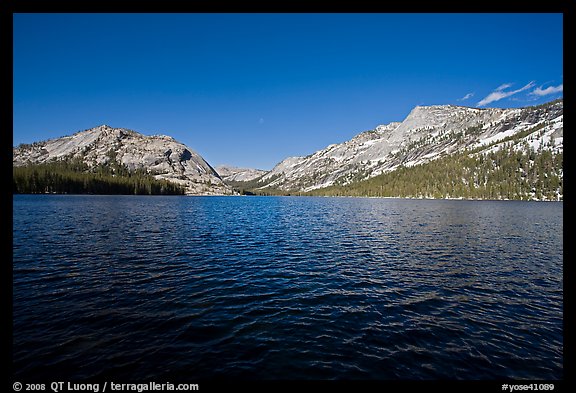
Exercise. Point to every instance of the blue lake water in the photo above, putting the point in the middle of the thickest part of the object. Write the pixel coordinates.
(286, 288)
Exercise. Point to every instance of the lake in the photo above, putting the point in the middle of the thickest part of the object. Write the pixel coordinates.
(286, 288)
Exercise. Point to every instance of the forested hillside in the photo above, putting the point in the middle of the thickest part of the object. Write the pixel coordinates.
(75, 177)
(502, 174)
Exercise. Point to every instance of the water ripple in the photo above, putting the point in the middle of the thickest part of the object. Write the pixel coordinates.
(286, 288)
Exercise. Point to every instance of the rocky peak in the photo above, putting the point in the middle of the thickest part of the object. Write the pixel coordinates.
(162, 156)
(428, 132)
(234, 174)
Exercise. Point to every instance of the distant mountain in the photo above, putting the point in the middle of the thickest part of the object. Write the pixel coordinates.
(234, 174)
(160, 155)
(428, 133)
(437, 151)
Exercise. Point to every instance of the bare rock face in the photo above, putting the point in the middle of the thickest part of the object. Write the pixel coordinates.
(427, 133)
(160, 155)
(235, 174)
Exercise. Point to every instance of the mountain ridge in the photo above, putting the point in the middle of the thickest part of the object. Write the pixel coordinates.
(427, 133)
(161, 155)
(230, 173)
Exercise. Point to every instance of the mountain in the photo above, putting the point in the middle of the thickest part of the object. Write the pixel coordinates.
(428, 133)
(439, 151)
(231, 174)
(159, 155)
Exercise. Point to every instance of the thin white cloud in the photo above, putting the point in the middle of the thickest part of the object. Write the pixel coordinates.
(539, 91)
(500, 93)
(467, 96)
(504, 86)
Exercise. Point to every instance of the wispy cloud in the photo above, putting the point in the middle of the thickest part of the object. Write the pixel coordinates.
(467, 96)
(539, 91)
(501, 93)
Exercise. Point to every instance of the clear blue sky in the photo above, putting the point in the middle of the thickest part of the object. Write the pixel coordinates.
(252, 89)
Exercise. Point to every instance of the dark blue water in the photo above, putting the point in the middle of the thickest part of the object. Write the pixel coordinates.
(286, 288)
